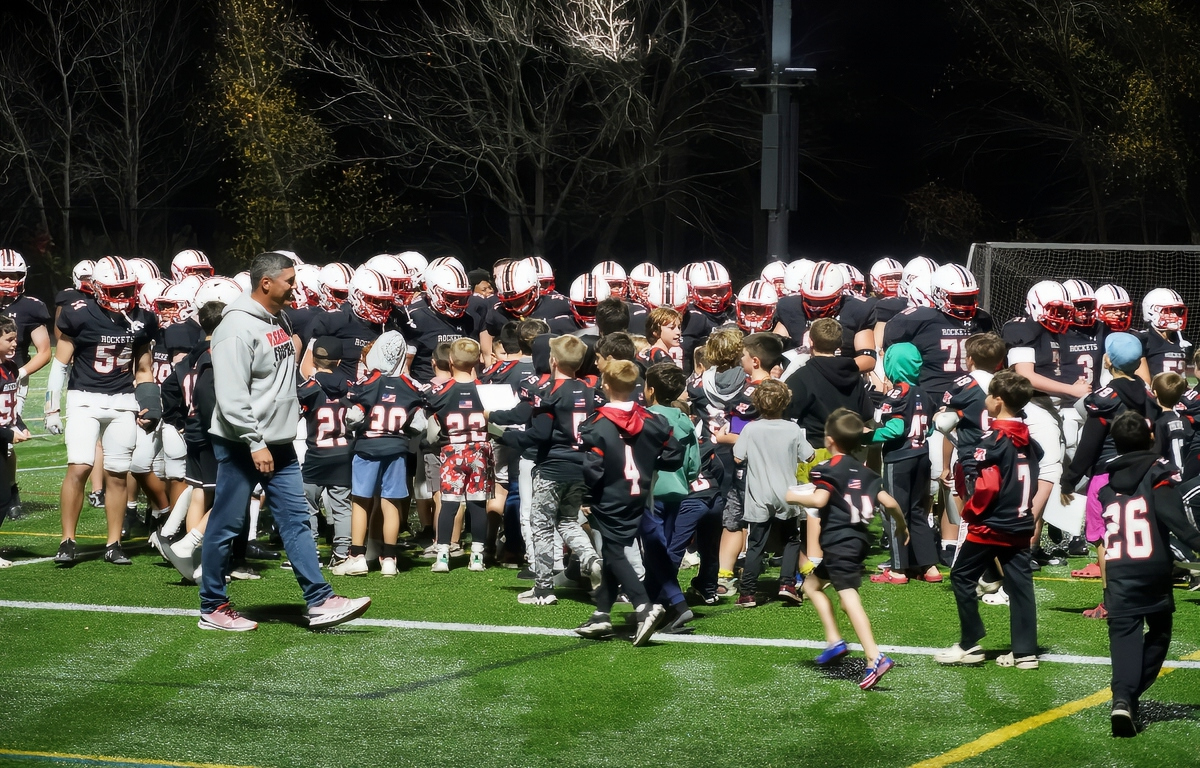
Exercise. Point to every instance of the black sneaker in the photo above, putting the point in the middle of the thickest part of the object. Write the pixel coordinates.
(286, 565)
(256, 551)
(1077, 547)
(115, 555)
(16, 512)
(676, 621)
(1042, 557)
(648, 620)
(96, 499)
(1034, 565)
(66, 553)
(707, 597)
(1123, 726)
(526, 574)
(131, 521)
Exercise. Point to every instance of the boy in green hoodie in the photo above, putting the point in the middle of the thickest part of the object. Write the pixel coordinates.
(904, 424)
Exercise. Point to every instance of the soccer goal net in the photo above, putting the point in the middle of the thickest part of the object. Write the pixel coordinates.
(1005, 271)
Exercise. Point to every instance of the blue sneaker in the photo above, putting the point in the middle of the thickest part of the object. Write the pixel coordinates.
(832, 653)
(872, 674)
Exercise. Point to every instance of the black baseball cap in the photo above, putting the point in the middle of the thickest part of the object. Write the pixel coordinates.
(328, 347)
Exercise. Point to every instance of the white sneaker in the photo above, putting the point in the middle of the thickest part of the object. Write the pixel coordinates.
(351, 566)
(336, 610)
(5, 563)
(956, 655)
(988, 588)
(531, 597)
(476, 562)
(388, 566)
(442, 563)
(690, 560)
(244, 573)
(999, 597)
(430, 551)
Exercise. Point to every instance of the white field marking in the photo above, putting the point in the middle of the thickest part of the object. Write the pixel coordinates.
(503, 629)
(31, 561)
(41, 469)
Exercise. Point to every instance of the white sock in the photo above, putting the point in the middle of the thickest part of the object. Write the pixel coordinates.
(476, 547)
(186, 546)
(178, 513)
(255, 505)
(157, 513)
(443, 550)
(947, 543)
(815, 561)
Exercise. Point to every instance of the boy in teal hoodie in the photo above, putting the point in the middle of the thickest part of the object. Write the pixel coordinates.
(904, 419)
(664, 384)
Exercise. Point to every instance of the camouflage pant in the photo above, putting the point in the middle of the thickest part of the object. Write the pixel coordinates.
(556, 506)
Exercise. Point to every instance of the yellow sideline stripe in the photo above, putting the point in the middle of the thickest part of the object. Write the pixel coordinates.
(998, 737)
(102, 760)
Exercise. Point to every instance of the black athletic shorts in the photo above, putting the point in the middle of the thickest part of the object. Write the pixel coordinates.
(842, 565)
(201, 467)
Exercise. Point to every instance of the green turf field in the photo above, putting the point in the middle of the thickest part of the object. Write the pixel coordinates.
(82, 687)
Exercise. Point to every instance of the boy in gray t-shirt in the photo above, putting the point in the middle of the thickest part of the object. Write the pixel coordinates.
(771, 448)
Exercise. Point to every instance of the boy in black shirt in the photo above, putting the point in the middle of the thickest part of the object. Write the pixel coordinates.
(1172, 431)
(1142, 508)
(12, 429)
(623, 445)
(1000, 525)
(845, 492)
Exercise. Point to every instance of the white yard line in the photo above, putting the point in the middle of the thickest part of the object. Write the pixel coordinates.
(504, 629)
(41, 469)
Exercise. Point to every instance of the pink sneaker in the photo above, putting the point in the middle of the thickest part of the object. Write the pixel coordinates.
(337, 610)
(227, 619)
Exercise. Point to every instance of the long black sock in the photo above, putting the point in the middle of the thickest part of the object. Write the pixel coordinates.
(445, 522)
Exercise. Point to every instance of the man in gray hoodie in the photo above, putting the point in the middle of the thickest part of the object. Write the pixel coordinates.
(253, 426)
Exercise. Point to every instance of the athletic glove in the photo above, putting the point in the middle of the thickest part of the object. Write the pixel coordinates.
(53, 423)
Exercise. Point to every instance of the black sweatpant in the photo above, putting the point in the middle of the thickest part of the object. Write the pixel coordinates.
(616, 572)
(756, 547)
(476, 518)
(907, 481)
(1137, 658)
(973, 560)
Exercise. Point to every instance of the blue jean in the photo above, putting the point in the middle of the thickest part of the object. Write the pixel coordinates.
(699, 518)
(662, 575)
(236, 478)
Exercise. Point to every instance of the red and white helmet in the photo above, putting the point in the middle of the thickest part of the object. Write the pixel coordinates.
(243, 281)
(178, 302)
(416, 264)
(517, 287)
(797, 275)
(1164, 310)
(614, 274)
(669, 289)
(755, 306)
(775, 273)
(397, 274)
(821, 295)
(955, 292)
(335, 284)
(222, 289)
(1047, 302)
(12, 273)
(856, 284)
(1114, 307)
(150, 291)
(640, 278)
(917, 268)
(447, 289)
(296, 260)
(712, 290)
(1083, 299)
(307, 290)
(885, 277)
(81, 275)
(451, 260)
(114, 284)
(587, 291)
(145, 269)
(688, 269)
(190, 262)
(545, 273)
(371, 295)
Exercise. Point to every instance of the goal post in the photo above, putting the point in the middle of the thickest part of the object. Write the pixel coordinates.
(1005, 271)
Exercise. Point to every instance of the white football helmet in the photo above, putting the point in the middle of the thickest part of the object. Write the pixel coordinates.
(178, 302)
(243, 281)
(447, 289)
(919, 267)
(12, 273)
(613, 274)
(451, 260)
(669, 289)
(517, 287)
(1083, 299)
(688, 269)
(640, 278)
(920, 291)
(856, 284)
(306, 292)
(955, 292)
(371, 295)
(190, 262)
(712, 290)
(755, 306)
(145, 269)
(397, 274)
(1047, 302)
(150, 291)
(114, 285)
(296, 260)
(775, 273)
(416, 263)
(545, 273)
(1164, 310)
(797, 274)
(885, 277)
(81, 275)
(335, 285)
(587, 291)
(1114, 307)
(821, 295)
(221, 289)
(386, 354)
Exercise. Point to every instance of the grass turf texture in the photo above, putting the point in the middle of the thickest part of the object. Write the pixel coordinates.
(155, 687)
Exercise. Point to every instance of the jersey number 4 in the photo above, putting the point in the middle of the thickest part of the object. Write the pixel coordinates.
(1129, 537)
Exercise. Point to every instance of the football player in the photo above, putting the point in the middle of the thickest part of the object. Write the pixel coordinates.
(640, 278)
(1163, 347)
(31, 318)
(518, 297)
(334, 286)
(712, 295)
(356, 323)
(754, 307)
(440, 315)
(190, 262)
(826, 293)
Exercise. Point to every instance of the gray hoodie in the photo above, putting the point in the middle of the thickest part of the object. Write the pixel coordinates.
(254, 367)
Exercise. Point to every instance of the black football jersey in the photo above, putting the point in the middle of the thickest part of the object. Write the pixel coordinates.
(10, 383)
(1170, 354)
(354, 333)
(477, 308)
(390, 404)
(697, 325)
(1011, 509)
(1030, 341)
(160, 358)
(426, 329)
(559, 409)
(329, 444)
(302, 321)
(1189, 408)
(638, 315)
(69, 296)
(790, 312)
(1106, 404)
(853, 493)
(1082, 354)
(967, 400)
(189, 396)
(622, 450)
(181, 338)
(564, 325)
(460, 413)
(887, 308)
(1172, 436)
(105, 345)
(857, 314)
(29, 314)
(651, 356)
(914, 407)
(515, 373)
(941, 341)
